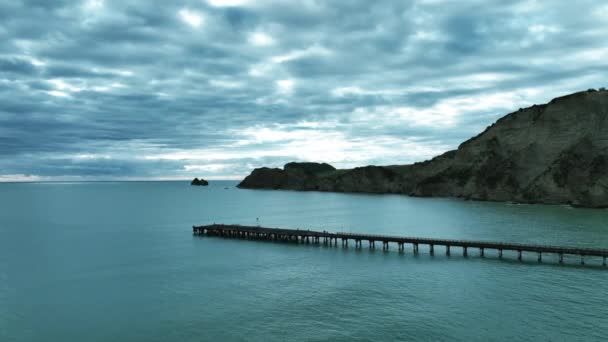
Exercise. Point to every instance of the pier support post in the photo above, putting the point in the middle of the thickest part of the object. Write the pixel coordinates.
(540, 257)
(447, 250)
(464, 251)
(582, 259)
(372, 244)
(432, 249)
(519, 254)
(401, 247)
(385, 245)
(561, 258)
(500, 253)
(604, 261)
(481, 252)
(415, 248)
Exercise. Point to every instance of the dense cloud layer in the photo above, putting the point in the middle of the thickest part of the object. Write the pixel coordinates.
(161, 89)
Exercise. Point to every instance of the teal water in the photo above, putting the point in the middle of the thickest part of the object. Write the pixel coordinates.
(118, 261)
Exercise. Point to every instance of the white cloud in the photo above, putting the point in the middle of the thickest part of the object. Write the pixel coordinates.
(429, 36)
(226, 83)
(260, 39)
(190, 17)
(36, 62)
(315, 50)
(591, 55)
(207, 167)
(58, 93)
(274, 63)
(444, 114)
(540, 32)
(119, 72)
(228, 3)
(91, 156)
(63, 86)
(306, 141)
(259, 70)
(285, 86)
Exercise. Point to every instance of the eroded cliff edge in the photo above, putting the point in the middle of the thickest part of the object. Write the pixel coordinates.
(555, 153)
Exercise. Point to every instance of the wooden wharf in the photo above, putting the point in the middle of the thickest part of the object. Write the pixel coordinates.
(328, 238)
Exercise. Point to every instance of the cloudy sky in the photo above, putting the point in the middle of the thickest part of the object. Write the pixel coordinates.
(105, 89)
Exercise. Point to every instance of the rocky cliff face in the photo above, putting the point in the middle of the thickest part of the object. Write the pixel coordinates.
(553, 153)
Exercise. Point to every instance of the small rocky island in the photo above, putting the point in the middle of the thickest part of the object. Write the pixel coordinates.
(199, 182)
(556, 153)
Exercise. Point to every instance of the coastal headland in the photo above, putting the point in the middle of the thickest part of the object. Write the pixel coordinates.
(555, 153)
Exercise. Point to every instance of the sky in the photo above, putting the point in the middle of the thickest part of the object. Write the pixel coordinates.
(105, 89)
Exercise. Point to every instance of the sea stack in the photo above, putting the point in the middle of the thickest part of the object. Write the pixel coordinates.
(556, 153)
(199, 182)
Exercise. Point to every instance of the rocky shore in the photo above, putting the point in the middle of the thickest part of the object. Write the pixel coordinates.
(556, 153)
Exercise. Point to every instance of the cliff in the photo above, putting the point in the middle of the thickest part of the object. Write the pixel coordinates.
(554, 153)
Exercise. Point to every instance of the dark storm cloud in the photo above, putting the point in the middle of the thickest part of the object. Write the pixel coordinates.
(110, 89)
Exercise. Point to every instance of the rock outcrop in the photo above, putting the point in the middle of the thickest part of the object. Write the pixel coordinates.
(199, 182)
(554, 153)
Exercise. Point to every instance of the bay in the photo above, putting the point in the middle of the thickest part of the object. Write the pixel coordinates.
(103, 261)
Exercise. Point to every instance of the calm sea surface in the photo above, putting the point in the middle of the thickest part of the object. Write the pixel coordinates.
(118, 262)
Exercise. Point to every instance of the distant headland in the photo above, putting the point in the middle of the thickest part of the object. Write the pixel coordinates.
(556, 153)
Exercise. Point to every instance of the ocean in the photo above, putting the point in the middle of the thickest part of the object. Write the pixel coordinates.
(117, 261)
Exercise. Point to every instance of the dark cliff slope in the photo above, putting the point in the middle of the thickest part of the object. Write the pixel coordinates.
(553, 153)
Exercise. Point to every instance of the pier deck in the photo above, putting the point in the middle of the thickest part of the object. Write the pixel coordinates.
(318, 237)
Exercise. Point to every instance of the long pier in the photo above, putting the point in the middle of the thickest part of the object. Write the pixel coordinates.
(328, 238)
